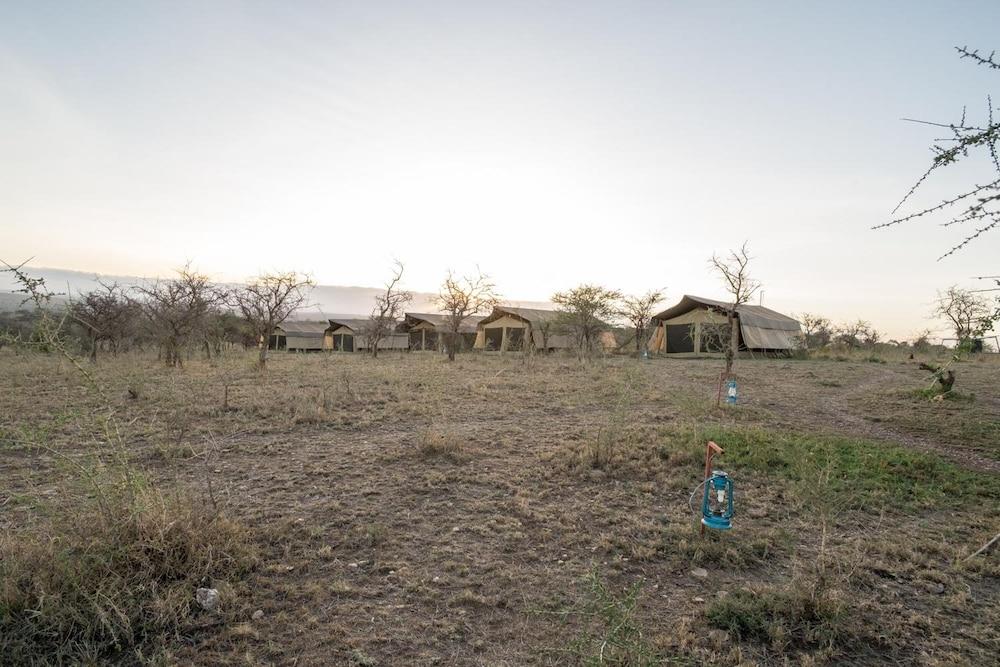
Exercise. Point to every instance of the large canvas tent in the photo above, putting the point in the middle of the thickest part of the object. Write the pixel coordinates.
(691, 327)
(511, 328)
(429, 331)
(299, 336)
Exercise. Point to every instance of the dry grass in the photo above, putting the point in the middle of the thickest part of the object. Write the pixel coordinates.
(406, 510)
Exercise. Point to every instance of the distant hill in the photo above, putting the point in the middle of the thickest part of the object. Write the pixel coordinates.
(326, 301)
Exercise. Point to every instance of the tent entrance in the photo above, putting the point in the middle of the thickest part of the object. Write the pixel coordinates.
(680, 338)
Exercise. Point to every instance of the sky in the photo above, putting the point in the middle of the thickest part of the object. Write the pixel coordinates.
(547, 144)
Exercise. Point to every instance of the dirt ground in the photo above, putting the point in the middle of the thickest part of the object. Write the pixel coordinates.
(415, 512)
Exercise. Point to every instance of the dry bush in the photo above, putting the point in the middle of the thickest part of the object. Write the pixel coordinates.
(440, 444)
(84, 588)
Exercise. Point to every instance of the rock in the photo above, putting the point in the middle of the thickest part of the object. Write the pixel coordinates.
(351, 565)
(757, 513)
(257, 615)
(722, 594)
(208, 598)
(699, 599)
(436, 579)
(935, 587)
(699, 572)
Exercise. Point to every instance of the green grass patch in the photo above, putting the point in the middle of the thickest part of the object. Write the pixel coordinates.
(847, 472)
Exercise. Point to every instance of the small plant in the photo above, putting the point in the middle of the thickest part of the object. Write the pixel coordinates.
(615, 637)
(806, 613)
(439, 444)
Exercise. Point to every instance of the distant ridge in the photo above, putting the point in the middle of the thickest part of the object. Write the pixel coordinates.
(326, 301)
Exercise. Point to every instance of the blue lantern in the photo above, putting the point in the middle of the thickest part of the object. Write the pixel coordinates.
(731, 392)
(717, 503)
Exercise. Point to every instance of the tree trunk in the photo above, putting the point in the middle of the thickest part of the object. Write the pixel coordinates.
(452, 339)
(734, 343)
(93, 348)
(262, 356)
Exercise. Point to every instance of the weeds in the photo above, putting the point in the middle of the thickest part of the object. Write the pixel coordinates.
(439, 444)
(615, 637)
(89, 590)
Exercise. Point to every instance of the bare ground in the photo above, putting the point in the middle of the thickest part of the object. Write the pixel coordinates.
(380, 550)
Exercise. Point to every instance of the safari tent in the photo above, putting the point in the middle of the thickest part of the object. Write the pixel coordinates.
(347, 335)
(342, 333)
(429, 331)
(509, 328)
(299, 336)
(696, 325)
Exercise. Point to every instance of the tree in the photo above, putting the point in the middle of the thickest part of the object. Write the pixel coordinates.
(638, 311)
(817, 332)
(387, 310)
(964, 310)
(106, 314)
(461, 298)
(268, 300)
(979, 205)
(177, 310)
(734, 270)
(583, 311)
(857, 334)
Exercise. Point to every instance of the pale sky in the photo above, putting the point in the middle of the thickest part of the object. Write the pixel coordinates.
(548, 143)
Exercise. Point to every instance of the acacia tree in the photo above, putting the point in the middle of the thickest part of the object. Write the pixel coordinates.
(388, 308)
(857, 334)
(734, 270)
(817, 331)
(461, 298)
(638, 311)
(977, 206)
(583, 311)
(106, 315)
(268, 300)
(964, 310)
(177, 310)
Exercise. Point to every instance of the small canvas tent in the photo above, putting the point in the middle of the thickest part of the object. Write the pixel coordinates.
(299, 336)
(347, 335)
(429, 331)
(696, 325)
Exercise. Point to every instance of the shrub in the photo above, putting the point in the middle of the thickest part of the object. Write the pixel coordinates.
(438, 444)
(92, 588)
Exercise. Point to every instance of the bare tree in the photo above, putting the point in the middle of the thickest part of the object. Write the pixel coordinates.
(638, 311)
(817, 331)
(583, 311)
(857, 334)
(268, 300)
(177, 310)
(734, 270)
(106, 314)
(388, 308)
(461, 298)
(965, 311)
(977, 206)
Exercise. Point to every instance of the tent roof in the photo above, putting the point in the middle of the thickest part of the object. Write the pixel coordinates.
(441, 320)
(532, 315)
(757, 316)
(762, 328)
(304, 329)
(352, 324)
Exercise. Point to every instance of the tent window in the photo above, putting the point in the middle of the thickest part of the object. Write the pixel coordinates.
(680, 338)
(494, 336)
